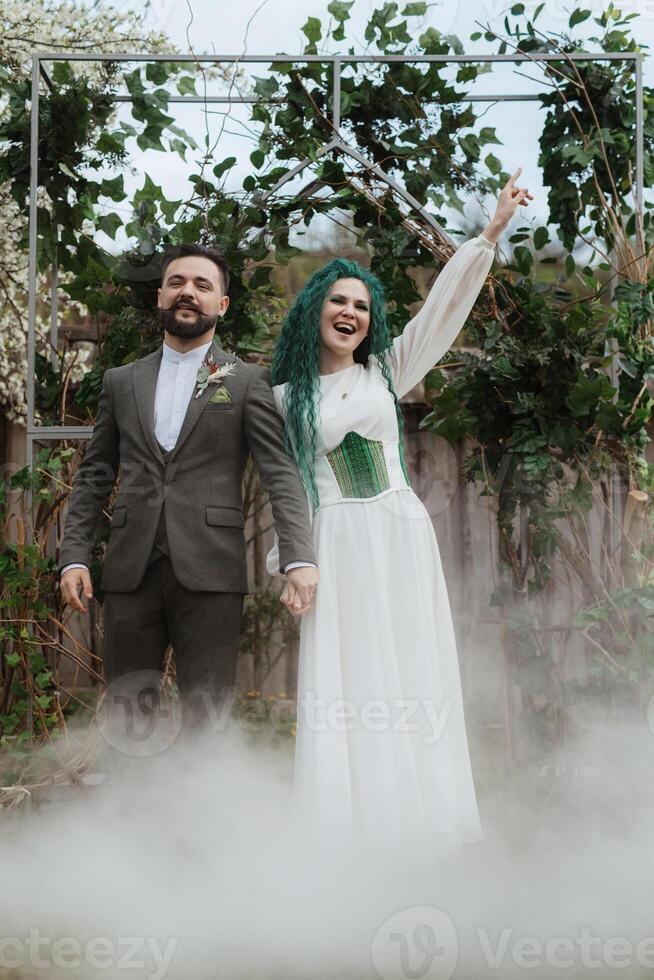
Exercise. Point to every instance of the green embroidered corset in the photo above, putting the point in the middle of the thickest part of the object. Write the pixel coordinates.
(359, 466)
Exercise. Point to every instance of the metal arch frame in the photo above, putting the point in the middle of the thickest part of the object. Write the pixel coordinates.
(36, 433)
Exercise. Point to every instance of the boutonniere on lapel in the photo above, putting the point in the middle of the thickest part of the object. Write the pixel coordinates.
(211, 374)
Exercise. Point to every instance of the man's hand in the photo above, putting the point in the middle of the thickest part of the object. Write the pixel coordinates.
(300, 589)
(72, 581)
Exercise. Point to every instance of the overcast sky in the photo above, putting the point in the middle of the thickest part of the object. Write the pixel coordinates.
(276, 24)
(273, 26)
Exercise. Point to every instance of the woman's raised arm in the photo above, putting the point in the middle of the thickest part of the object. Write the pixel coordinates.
(434, 329)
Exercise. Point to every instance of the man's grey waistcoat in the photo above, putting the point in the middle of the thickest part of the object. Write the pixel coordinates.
(200, 484)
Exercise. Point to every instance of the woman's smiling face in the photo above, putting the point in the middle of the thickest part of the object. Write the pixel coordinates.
(345, 317)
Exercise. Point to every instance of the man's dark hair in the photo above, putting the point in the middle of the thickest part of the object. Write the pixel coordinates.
(190, 248)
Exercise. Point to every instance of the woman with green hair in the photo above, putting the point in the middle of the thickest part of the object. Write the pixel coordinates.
(381, 758)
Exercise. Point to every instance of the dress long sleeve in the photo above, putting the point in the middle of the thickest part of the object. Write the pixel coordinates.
(272, 558)
(433, 330)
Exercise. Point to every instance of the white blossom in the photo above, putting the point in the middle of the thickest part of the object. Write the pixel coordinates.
(47, 25)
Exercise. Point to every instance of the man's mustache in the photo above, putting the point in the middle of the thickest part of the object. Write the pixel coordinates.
(181, 306)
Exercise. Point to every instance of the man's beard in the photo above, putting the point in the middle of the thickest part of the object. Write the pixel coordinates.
(187, 329)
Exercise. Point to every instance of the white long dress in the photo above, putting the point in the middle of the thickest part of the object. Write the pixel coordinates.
(381, 756)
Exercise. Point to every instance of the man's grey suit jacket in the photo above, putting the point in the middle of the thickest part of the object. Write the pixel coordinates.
(200, 485)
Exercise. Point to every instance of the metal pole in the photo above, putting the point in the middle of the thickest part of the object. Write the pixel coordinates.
(61, 431)
(336, 107)
(31, 342)
(640, 151)
(225, 99)
(31, 301)
(615, 542)
(344, 58)
(252, 99)
(54, 302)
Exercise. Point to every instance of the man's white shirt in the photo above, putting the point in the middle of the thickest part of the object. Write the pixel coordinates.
(176, 383)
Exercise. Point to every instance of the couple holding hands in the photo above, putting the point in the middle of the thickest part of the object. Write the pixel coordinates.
(378, 669)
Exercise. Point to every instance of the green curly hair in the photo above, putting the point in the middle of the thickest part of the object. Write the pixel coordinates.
(296, 361)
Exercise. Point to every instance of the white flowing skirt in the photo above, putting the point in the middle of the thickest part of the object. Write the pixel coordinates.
(381, 757)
